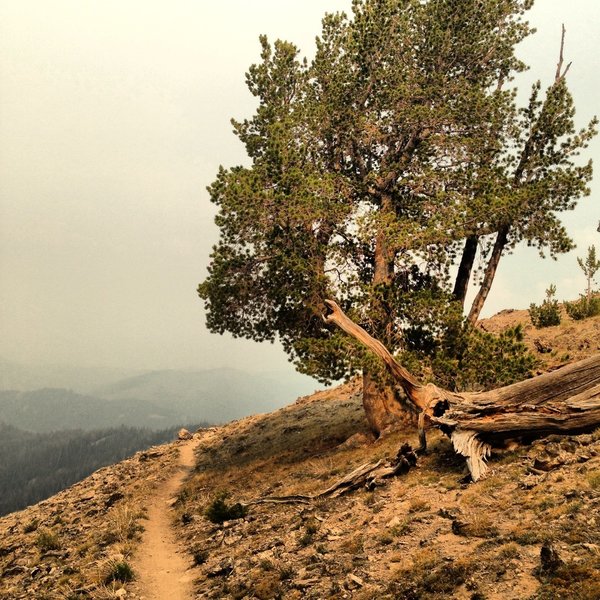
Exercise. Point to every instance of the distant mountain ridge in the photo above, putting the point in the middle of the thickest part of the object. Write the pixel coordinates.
(216, 395)
(53, 409)
(17, 376)
(155, 399)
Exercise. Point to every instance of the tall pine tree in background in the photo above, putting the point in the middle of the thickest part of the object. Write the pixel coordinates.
(396, 154)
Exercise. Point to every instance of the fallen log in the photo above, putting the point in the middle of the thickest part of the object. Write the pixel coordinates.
(565, 401)
(368, 476)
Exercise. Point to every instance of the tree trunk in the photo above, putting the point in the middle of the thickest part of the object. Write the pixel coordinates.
(566, 401)
(461, 285)
(379, 398)
(490, 273)
(382, 406)
(374, 403)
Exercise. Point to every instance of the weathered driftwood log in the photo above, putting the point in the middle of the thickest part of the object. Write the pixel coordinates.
(566, 401)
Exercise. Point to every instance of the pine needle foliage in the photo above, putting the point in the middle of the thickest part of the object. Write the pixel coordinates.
(548, 313)
(466, 358)
(588, 304)
(583, 308)
(219, 510)
(371, 165)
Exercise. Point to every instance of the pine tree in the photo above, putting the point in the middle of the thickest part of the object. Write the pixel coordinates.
(590, 267)
(588, 304)
(371, 167)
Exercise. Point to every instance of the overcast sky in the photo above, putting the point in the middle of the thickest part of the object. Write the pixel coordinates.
(114, 116)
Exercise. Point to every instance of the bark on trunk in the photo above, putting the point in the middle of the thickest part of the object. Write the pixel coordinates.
(490, 273)
(374, 404)
(382, 407)
(566, 401)
(461, 285)
(379, 399)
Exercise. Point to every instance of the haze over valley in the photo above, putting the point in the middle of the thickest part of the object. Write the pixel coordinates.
(58, 424)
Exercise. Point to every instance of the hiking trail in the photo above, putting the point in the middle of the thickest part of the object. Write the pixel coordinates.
(162, 569)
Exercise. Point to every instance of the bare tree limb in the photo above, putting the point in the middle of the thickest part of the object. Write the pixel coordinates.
(566, 401)
(560, 74)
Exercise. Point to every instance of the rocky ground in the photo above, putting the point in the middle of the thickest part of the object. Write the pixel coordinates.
(530, 530)
(77, 544)
(423, 535)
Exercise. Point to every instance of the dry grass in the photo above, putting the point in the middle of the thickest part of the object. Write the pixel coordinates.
(406, 525)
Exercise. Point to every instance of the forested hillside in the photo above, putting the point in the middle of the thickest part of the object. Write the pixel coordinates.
(34, 466)
(51, 409)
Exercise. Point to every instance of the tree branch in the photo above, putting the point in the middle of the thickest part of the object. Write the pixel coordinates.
(559, 67)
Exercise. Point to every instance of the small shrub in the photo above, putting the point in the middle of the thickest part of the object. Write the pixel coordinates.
(480, 526)
(306, 539)
(286, 573)
(47, 540)
(401, 529)
(526, 537)
(122, 526)
(119, 571)
(574, 507)
(583, 308)
(510, 550)
(200, 556)
(266, 565)
(311, 528)
(220, 511)
(548, 314)
(385, 539)
(418, 505)
(370, 499)
(31, 526)
(545, 504)
(126, 523)
(594, 479)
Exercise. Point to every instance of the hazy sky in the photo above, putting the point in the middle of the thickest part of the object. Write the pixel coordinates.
(114, 116)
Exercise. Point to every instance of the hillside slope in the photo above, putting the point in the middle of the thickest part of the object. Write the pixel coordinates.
(552, 346)
(67, 546)
(424, 535)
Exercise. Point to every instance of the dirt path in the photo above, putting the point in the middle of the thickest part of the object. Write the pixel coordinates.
(162, 569)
